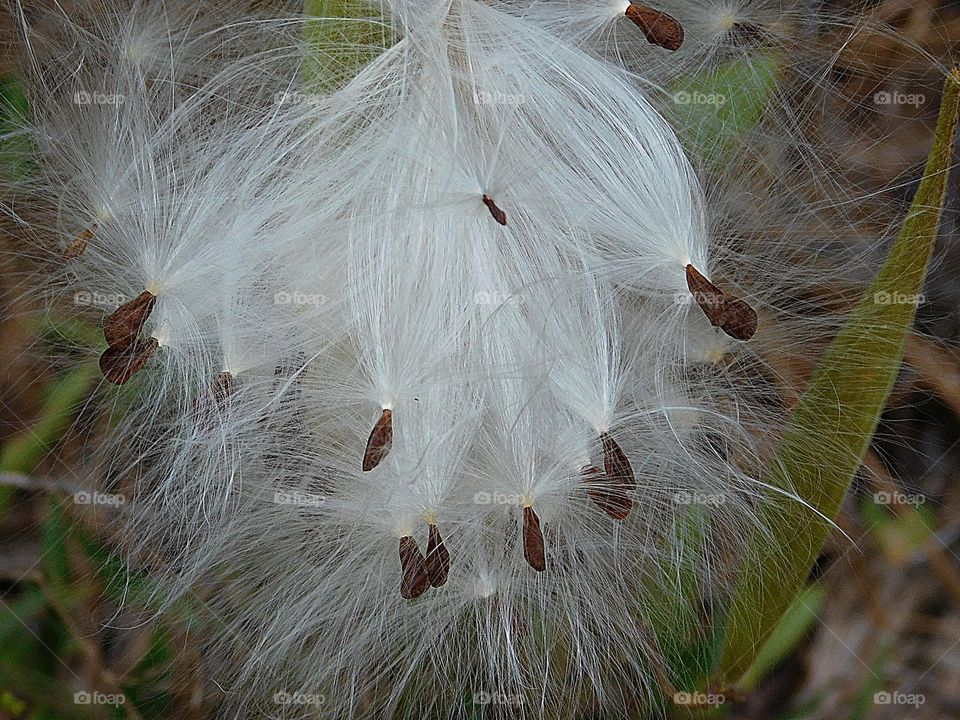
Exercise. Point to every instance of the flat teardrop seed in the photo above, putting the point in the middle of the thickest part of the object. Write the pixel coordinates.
(119, 363)
(124, 325)
(416, 579)
(657, 27)
(438, 558)
(533, 544)
(379, 442)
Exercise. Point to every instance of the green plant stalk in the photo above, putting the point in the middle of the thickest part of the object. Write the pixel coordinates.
(832, 424)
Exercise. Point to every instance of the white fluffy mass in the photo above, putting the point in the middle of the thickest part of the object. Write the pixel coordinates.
(421, 390)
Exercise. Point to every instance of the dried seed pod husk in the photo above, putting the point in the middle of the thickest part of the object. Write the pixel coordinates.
(79, 245)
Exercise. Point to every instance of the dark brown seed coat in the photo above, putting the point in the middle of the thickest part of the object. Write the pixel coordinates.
(379, 442)
(659, 28)
(533, 545)
(499, 215)
(223, 387)
(119, 363)
(124, 325)
(416, 579)
(614, 501)
(732, 315)
(438, 558)
(615, 462)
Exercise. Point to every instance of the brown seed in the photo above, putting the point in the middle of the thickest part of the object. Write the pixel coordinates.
(614, 501)
(499, 215)
(615, 462)
(79, 244)
(533, 548)
(223, 387)
(379, 442)
(658, 27)
(119, 363)
(732, 315)
(438, 558)
(416, 579)
(124, 325)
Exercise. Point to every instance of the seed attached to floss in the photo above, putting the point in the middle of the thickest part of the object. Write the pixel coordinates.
(119, 363)
(416, 579)
(732, 315)
(499, 215)
(123, 327)
(615, 462)
(614, 501)
(79, 244)
(222, 388)
(659, 28)
(533, 545)
(438, 558)
(379, 442)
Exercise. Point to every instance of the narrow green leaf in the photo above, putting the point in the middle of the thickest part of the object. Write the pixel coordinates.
(793, 627)
(56, 556)
(831, 427)
(342, 36)
(16, 148)
(676, 598)
(22, 453)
